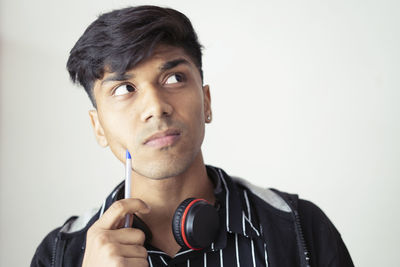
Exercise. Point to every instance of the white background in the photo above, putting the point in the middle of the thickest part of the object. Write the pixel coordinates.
(305, 98)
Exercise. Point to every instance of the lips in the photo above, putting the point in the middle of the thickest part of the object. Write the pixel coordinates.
(164, 138)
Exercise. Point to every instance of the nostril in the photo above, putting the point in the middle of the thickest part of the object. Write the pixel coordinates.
(155, 106)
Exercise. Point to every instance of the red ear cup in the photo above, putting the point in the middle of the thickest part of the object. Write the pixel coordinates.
(195, 223)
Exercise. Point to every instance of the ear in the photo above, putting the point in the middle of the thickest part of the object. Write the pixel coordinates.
(207, 103)
(97, 128)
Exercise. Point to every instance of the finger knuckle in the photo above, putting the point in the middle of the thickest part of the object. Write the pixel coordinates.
(91, 231)
(119, 206)
(142, 251)
(111, 250)
(102, 238)
(140, 236)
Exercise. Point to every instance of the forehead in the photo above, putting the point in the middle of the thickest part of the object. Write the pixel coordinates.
(166, 52)
(160, 55)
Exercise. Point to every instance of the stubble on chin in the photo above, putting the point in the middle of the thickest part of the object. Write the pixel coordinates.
(165, 168)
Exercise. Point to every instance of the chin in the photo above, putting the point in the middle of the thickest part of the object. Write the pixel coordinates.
(163, 169)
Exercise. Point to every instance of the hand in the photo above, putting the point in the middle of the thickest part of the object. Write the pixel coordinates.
(109, 245)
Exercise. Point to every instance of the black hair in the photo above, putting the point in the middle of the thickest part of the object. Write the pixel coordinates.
(121, 39)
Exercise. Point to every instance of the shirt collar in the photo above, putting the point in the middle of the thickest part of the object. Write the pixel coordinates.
(235, 210)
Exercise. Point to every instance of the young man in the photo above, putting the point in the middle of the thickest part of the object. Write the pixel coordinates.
(142, 69)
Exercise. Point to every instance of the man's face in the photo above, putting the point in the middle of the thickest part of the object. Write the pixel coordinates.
(156, 110)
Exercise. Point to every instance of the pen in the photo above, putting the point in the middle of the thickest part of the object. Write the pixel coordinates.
(128, 175)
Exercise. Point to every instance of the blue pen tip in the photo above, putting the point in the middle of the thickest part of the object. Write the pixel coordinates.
(128, 156)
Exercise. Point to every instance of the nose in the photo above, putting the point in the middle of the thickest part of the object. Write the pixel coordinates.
(154, 102)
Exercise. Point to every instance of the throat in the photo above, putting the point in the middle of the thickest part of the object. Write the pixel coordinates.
(165, 241)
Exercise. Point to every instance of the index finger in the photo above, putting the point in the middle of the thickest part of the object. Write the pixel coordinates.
(117, 211)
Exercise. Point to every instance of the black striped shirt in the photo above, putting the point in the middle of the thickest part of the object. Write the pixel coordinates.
(239, 242)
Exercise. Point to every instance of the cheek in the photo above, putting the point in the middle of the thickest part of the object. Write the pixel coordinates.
(195, 115)
(194, 104)
(118, 129)
(112, 123)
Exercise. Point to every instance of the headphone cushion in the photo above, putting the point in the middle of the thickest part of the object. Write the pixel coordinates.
(177, 221)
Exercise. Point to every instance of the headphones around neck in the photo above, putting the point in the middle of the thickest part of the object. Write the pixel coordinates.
(195, 224)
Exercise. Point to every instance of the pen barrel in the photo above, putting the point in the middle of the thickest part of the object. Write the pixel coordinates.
(127, 219)
(128, 175)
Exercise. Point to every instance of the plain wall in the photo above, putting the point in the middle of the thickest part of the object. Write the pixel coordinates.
(305, 98)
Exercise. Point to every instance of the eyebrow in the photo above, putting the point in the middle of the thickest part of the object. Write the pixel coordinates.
(172, 64)
(164, 67)
(117, 77)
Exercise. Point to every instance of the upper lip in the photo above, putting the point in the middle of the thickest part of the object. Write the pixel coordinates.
(162, 134)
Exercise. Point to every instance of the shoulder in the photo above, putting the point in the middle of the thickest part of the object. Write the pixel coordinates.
(74, 230)
(76, 224)
(267, 195)
(321, 236)
(44, 252)
(283, 201)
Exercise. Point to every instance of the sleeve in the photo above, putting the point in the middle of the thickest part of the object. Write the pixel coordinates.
(44, 252)
(322, 238)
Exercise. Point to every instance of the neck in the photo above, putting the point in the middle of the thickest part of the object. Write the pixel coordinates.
(164, 196)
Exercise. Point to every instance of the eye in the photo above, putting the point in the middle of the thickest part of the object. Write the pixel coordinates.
(174, 78)
(123, 89)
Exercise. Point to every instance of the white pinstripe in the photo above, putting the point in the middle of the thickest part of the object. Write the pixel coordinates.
(162, 259)
(252, 253)
(251, 225)
(221, 258)
(102, 208)
(243, 224)
(266, 255)
(150, 262)
(116, 190)
(188, 263)
(205, 259)
(247, 204)
(227, 200)
(183, 252)
(157, 252)
(237, 250)
(248, 218)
